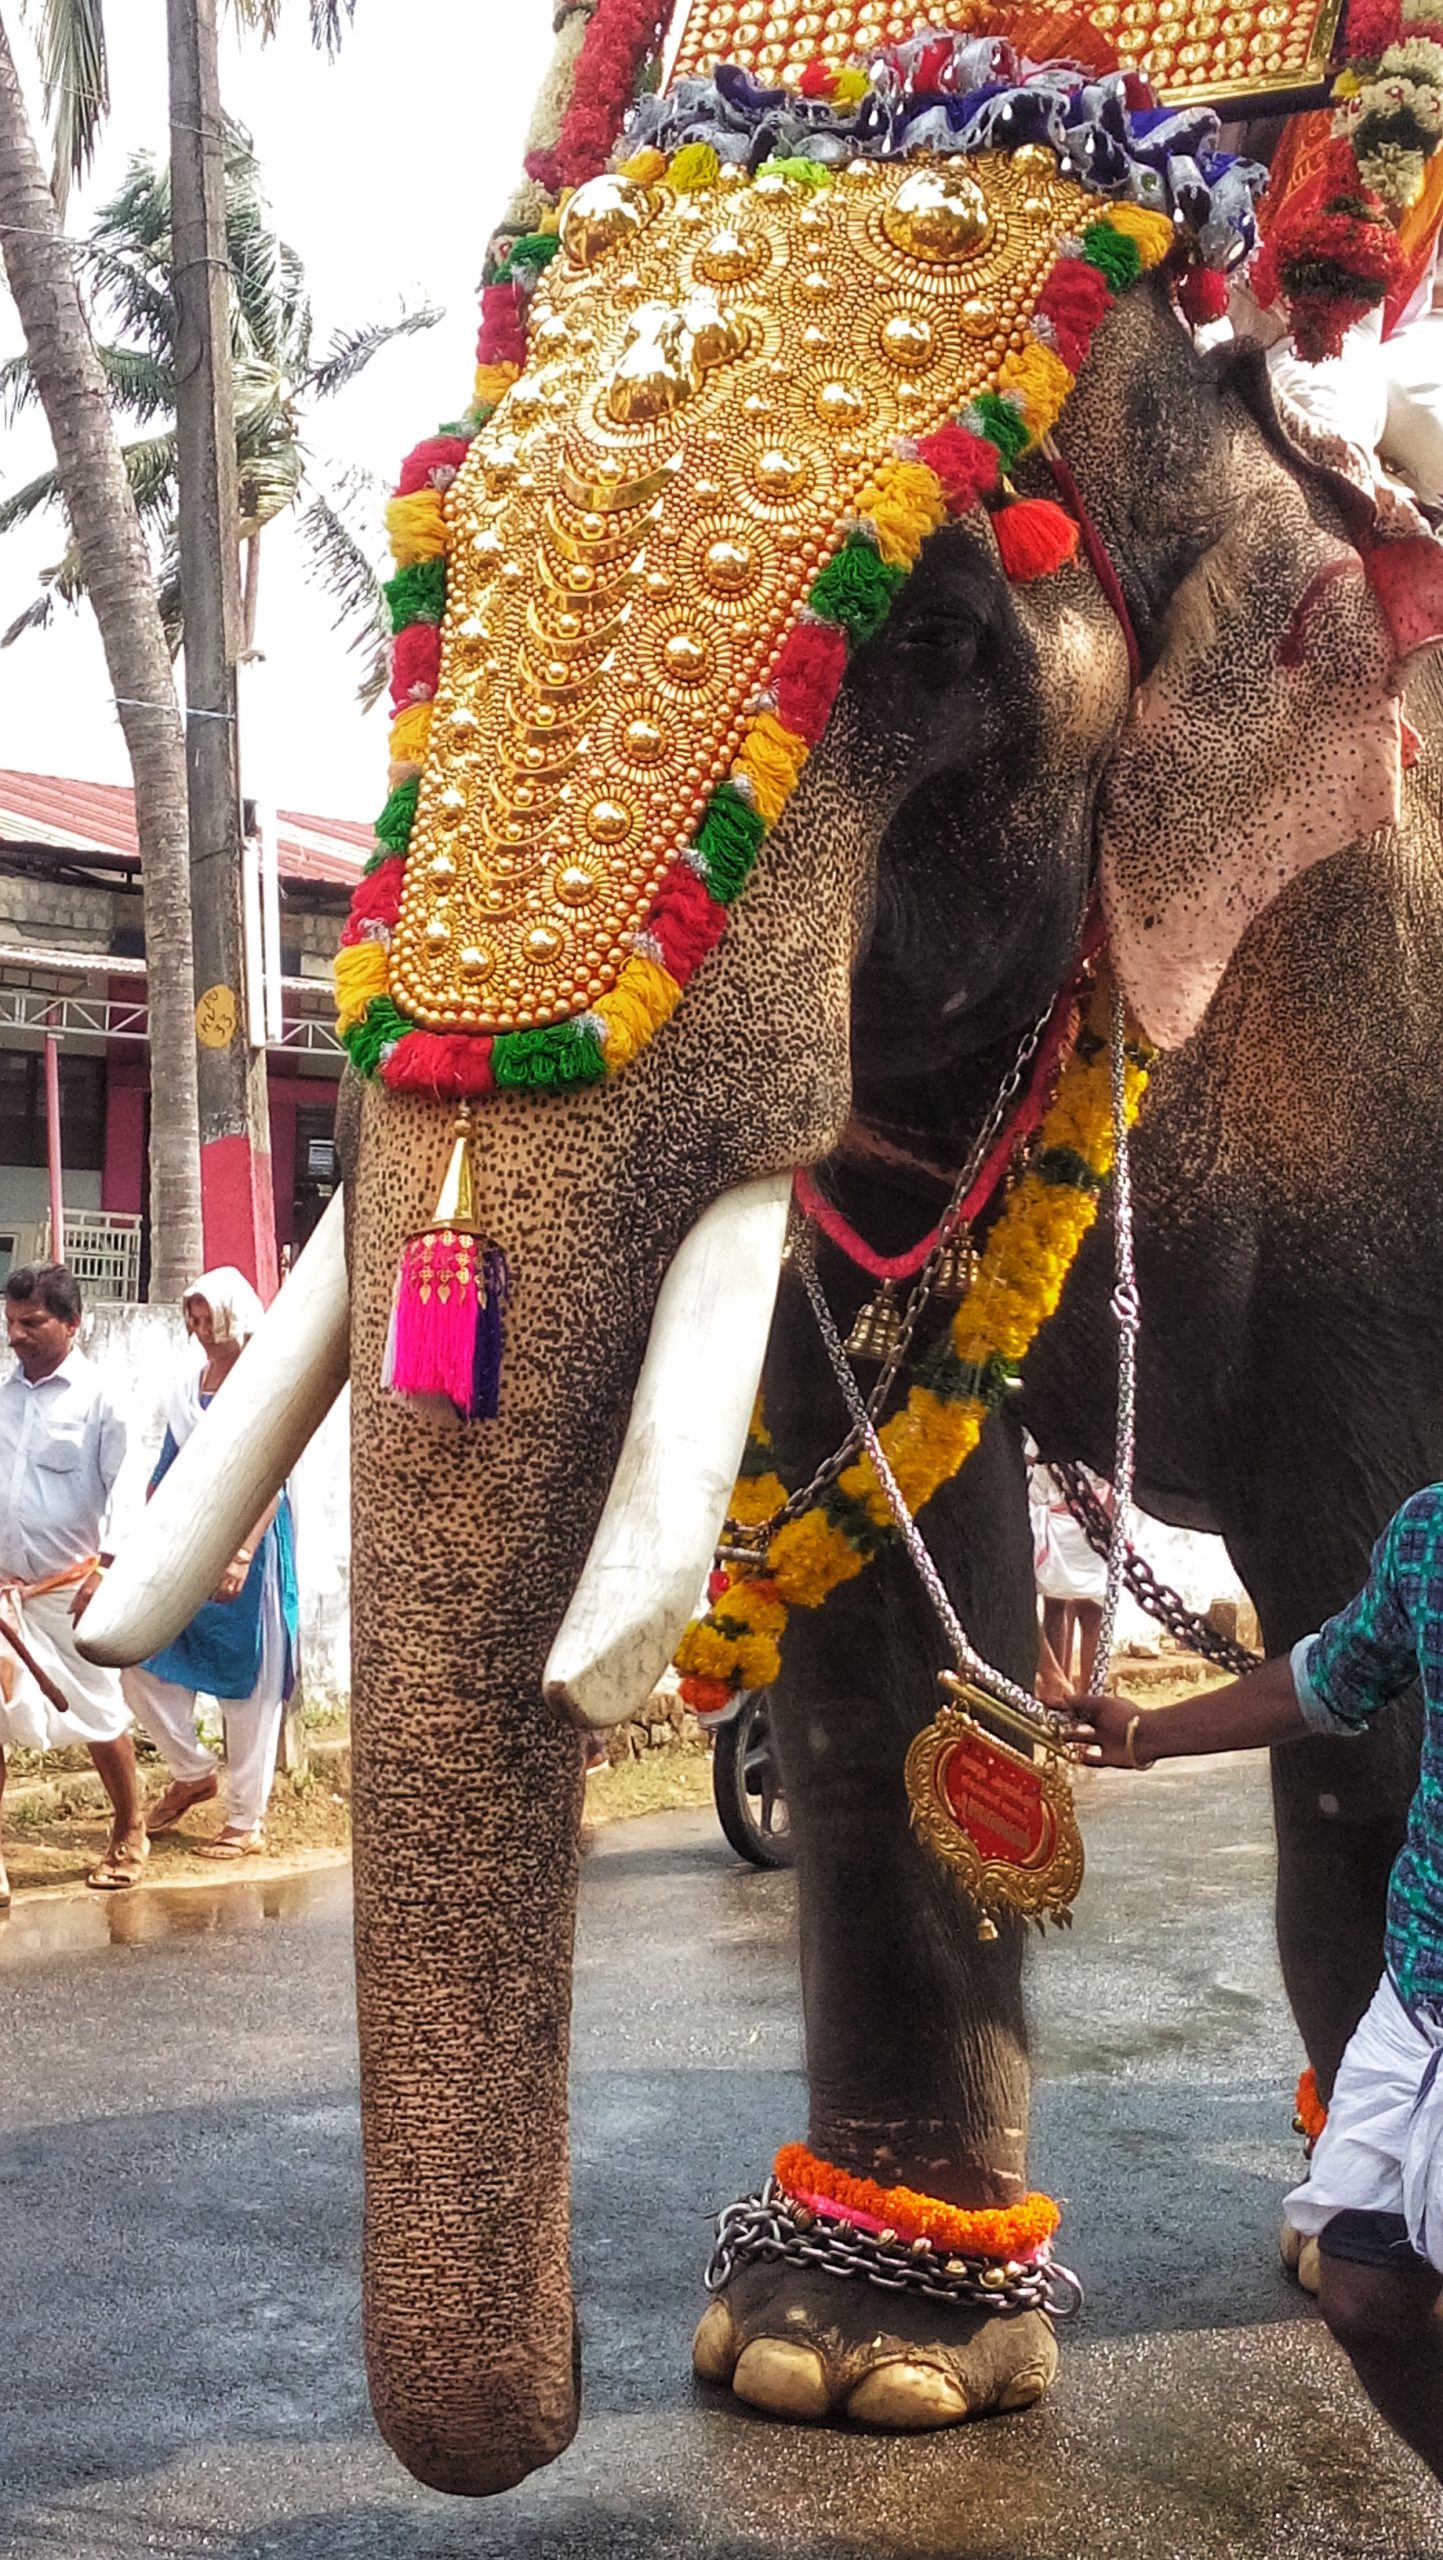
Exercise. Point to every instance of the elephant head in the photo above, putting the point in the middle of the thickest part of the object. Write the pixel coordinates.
(915, 906)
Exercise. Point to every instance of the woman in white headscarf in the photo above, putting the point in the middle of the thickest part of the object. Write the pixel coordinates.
(240, 1648)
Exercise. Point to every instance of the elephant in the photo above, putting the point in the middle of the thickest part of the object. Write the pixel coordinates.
(916, 908)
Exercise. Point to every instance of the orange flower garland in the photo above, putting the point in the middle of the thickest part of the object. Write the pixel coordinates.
(995, 2231)
(1309, 2113)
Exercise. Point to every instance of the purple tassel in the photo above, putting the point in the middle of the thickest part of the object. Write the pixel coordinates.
(485, 1401)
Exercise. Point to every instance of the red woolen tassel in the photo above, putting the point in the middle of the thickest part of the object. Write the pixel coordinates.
(432, 465)
(806, 676)
(415, 663)
(1202, 295)
(1034, 537)
(965, 464)
(445, 1336)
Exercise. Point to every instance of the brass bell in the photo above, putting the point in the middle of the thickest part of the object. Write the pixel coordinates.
(878, 1327)
(986, 1930)
(955, 1271)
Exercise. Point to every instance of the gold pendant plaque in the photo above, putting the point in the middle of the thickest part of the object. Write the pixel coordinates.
(1001, 1818)
(712, 381)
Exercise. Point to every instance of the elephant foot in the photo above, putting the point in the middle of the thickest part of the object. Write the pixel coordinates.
(797, 2343)
(1299, 2253)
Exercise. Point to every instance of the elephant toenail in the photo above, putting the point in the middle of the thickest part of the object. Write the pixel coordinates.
(1026, 2387)
(714, 2347)
(779, 2375)
(902, 2395)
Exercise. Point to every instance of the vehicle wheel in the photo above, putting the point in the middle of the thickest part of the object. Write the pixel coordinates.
(747, 1786)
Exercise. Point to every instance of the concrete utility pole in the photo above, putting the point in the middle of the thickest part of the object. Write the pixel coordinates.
(236, 1198)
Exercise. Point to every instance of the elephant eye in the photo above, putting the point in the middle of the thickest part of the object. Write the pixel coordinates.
(953, 636)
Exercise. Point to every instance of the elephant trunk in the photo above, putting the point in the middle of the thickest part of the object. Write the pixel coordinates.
(468, 1544)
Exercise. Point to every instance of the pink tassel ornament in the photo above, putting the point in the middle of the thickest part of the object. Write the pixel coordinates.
(446, 1329)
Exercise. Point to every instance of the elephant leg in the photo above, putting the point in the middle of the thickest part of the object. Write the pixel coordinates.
(916, 2039)
(1315, 1480)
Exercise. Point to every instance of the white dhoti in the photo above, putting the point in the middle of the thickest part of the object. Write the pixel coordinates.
(166, 1711)
(97, 1708)
(1381, 2150)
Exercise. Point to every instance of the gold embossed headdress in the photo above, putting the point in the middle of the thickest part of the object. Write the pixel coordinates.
(726, 391)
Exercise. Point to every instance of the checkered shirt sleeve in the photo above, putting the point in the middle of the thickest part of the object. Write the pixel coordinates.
(1367, 1655)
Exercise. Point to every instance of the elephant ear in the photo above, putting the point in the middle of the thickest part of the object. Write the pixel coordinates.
(1269, 735)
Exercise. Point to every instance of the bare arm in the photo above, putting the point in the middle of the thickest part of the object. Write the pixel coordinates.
(1249, 1713)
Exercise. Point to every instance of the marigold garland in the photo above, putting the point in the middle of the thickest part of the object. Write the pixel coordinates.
(908, 496)
(1309, 2113)
(1025, 1262)
(1015, 2231)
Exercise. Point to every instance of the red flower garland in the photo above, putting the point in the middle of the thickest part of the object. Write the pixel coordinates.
(613, 50)
(1331, 255)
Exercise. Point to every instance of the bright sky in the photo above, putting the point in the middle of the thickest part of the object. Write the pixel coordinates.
(385, 171)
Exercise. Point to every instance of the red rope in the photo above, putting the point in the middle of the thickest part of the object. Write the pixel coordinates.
(1102, 568)
(1057, 1037)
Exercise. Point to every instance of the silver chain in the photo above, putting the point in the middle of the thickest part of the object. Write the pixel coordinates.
(1051, 1721)
(773, 2225)
(1126, 1315)
(744, 1545)
(967, 1657)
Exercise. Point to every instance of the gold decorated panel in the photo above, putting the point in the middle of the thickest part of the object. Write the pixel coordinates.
(712, 382)
(1190, 50)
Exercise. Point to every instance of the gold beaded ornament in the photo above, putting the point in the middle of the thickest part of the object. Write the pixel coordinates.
(715, 383)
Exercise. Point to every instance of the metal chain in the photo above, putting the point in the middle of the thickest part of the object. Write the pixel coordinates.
(743, 1545)
(1127, 1316)
(1157, 1598)
(773, 2225)
(1049, 1720)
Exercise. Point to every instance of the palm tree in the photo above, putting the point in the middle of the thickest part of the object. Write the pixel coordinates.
(75, 66)
(110, 553)
(278, 375)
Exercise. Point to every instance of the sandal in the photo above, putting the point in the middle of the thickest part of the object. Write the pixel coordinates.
(178, 1798)
(118, 1869)
(232, 1844)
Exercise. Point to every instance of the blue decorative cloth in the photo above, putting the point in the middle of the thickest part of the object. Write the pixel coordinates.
(220, 1651)
(1366, 1656)
(1168, 160)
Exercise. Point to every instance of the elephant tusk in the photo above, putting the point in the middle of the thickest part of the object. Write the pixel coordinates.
(235, 1461)
(649, 1558)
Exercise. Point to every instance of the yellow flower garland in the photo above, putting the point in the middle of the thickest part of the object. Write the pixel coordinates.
(1017, 1287)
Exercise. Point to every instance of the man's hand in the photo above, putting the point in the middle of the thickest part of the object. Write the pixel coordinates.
(233, 1581)
(1111, 1733)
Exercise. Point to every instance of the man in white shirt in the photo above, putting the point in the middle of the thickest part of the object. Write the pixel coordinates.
(62, 1447)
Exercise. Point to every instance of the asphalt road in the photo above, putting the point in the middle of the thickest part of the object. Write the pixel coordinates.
(178, 2200)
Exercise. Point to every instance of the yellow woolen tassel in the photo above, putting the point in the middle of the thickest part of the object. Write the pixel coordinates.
(643, 997)
(1041, 381)
(411, 733)
(645, 167)
(903, 504)
(1153, 232)
(361, 970)
(417, 527)
(493, 381)
(771, 759)
(693, 168)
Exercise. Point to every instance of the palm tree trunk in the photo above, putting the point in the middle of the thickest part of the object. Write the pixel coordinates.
(121, 588)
